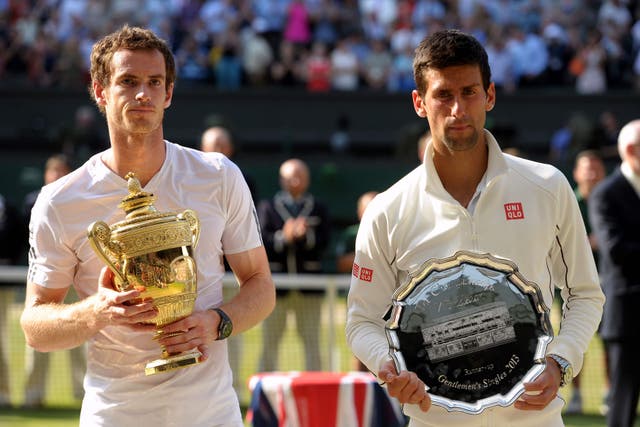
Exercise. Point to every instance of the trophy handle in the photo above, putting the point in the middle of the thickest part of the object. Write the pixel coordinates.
(99, 234)
(194, 223)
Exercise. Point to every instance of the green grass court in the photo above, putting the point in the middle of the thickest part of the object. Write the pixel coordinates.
(62, 410)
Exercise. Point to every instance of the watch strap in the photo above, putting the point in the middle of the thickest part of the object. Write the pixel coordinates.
(565, 369)
(226, 326)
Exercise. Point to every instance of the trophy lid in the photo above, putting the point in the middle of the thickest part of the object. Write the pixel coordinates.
(137, 202)
(144, 231)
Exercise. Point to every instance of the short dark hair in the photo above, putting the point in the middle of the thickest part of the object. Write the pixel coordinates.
(448, 48)
(58, 159)
(589, 152)
(133, 38)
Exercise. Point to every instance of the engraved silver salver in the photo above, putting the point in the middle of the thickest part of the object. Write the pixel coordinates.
(472, 328)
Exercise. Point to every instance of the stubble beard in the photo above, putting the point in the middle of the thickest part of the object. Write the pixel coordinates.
(461, 143)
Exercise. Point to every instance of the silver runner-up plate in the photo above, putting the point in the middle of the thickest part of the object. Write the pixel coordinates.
(472, 328)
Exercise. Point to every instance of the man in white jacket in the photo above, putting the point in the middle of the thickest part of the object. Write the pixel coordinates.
(468, 195)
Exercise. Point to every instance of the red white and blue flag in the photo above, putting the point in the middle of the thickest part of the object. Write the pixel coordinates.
(321, 399)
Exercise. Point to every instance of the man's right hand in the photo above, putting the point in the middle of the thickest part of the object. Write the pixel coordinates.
(405, 386)
(113, 307)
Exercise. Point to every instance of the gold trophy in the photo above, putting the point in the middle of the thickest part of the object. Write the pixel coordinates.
(151, 251)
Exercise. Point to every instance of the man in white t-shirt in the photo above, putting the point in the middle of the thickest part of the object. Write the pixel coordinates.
(133, 73)
(469, 195)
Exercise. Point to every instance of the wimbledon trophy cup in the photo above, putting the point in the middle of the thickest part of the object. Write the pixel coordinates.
(151, 251)
(472, 328)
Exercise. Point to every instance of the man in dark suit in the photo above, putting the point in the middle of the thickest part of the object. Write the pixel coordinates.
(614, 210)
(296, 230)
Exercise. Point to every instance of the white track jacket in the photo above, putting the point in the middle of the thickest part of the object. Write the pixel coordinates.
(525, 212)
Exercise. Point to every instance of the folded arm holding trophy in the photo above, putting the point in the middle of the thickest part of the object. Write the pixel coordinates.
(456, 265)
(140, 231)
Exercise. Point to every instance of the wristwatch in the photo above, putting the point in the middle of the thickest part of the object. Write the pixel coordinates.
(225, 327)
(565, 369)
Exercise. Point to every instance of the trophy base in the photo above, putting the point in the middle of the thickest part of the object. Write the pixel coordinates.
(171, 363)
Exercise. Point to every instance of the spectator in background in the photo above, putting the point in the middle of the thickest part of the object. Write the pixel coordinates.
(377, 66)
(345, 69)
(296, 230)
(256, 56)
(192, 61)
(589, 66)
(41, 60)
(317, 69)
(530, 55)
(358, 45)
(425, 11)
(588, 171)
(401, 72)
(614, 15)
(501, 60)
(56, 166)
(217, 139)
(606, 134)
(70, 70)
(325, 19)
(575, 135)
(560, 54)
(9, 252)
(613, 210)
(37, 363)
(228, 67)
(272, 17)
(377, 17)
(219, 16)
(287, 69)
(405, 35)
(608, 128)
(297, 29)
(346, 244)
(372, 27)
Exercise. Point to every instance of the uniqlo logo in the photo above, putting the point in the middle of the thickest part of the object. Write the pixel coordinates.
(513, 211)
(355, 270)
(366, 274)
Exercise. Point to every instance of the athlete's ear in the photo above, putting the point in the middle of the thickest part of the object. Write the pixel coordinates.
(418, 104)
(98, 93)
(491, 97)
(168, 96)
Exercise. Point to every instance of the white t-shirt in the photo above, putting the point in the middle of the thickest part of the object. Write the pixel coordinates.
(117, 392)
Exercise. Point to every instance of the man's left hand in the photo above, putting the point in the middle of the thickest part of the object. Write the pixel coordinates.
(541, 391)
(197, 330)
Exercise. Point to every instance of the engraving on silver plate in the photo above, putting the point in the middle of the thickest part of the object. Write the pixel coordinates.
(472, 328)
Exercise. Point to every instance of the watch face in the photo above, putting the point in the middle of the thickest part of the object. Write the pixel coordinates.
(225, 329)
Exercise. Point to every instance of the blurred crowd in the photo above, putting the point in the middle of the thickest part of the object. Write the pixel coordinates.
(322, 45)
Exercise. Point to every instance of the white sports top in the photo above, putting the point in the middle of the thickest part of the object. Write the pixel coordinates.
(117, 391)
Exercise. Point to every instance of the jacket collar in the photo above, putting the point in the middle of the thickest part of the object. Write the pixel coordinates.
(496, 165)
(282, 202)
